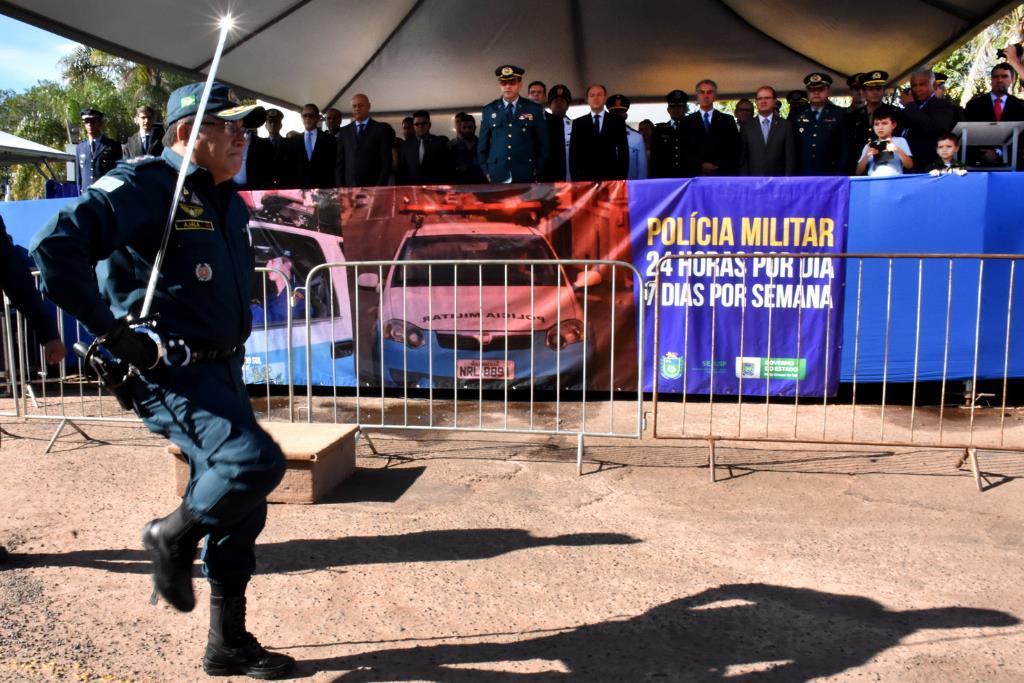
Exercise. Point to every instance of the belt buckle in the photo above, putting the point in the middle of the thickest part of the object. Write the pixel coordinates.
(182, 354)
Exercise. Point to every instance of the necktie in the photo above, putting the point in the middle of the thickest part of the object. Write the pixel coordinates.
(359, 129)
(817, 115)
(309, 145)
(422, 149)
(707, 121)
(998, 106)
(675, 125)
(765, 127)
(510, 108)
(145, 143)
(597, 124)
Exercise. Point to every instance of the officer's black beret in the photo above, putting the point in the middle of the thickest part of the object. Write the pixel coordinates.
(796, 97)
(90, 113)
(874, 78)
(559, 91)
(618, 102)
(676, 97)
(509, 72)
(854, 81)
(275, 114)
(817, 79)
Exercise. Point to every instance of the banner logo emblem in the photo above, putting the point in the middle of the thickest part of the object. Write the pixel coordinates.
(671, 366)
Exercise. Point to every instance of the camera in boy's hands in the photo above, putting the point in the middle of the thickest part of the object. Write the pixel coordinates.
(879, 145)
(1018, 48)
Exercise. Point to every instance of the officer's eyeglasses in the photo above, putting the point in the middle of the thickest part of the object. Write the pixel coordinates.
(230, 127)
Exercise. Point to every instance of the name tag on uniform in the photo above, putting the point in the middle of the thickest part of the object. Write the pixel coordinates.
(107, 184)
(193, 224)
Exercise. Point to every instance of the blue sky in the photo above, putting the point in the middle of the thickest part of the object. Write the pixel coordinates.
(28, 54)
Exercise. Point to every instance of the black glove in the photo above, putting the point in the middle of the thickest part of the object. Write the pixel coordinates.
(130, 346)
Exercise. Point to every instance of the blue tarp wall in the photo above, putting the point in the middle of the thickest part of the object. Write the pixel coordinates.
(977, 214)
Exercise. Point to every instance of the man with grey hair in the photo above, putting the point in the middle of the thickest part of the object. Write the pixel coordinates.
(927, 117)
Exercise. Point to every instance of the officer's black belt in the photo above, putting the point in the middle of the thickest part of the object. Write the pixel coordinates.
(212, 355)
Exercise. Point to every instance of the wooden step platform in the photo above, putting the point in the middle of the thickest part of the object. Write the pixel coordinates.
(319, 456)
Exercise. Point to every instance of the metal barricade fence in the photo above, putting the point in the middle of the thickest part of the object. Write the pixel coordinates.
(72, 397)
(805, 419)
(8, 373)
(446, 331)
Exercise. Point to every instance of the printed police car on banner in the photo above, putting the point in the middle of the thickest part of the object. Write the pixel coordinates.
(204, 273)
(671, 365)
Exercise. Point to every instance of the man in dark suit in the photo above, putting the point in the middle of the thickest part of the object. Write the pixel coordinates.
(465, 162)
(927, 117)
(364, 149)
(255, 171)
(767, 143)
(671, 148)
(716, 141)
(332, 121)
(97, 154)
(598, 148)
(995, 105)
(277, 164)
(514, 143)
(313, 153)
(426, 159)
(149, 138)
(559, 133)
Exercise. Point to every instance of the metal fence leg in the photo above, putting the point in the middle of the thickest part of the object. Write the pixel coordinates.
(366, 437)
(711, 460)
(963, 458)
(60, 428)
(975, 470)
(579, 454)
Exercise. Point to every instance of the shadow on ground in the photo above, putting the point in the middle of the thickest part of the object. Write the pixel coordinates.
(744, 632)
(303, 555)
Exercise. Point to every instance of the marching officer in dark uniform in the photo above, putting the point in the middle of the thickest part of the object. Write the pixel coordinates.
(670, 147)
(821, 135)
(97, 154)
(187, 383)
(514, 140)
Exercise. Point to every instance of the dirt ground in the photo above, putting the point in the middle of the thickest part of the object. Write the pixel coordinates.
(485, 558)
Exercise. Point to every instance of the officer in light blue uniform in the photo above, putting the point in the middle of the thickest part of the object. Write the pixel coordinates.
(514, 140)
(193, 394)
(97, 154)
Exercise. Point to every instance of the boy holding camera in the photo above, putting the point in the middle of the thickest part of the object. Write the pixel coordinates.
(888, 155)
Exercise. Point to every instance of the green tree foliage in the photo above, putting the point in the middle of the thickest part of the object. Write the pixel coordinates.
(47, 112)
(968, 66)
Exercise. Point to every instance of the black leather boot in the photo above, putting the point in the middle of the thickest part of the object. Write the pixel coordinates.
(233, 651)
(171, 543)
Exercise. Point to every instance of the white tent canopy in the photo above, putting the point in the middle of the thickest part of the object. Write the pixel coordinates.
(15, 150)
(440, 54)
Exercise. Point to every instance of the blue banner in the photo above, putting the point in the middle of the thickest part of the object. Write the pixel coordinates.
(754, 326)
